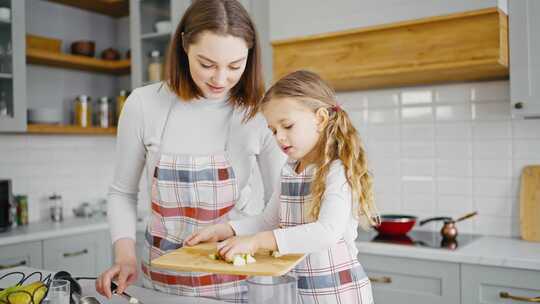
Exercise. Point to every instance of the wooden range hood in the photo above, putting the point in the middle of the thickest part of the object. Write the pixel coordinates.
(467, 46)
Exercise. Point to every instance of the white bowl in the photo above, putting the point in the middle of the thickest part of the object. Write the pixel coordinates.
(163, 26)
(45, 115)
(5, 14)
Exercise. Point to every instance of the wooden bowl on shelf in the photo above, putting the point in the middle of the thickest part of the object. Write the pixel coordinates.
(83, 48)
(110, 54)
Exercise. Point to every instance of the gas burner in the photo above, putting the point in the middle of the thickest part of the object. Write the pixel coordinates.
(429, 239)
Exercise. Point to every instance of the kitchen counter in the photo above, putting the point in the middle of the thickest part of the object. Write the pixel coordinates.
(47, 229)
(485, 250)
(144, 295)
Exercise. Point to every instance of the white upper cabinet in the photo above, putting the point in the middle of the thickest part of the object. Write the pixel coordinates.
(524, 23)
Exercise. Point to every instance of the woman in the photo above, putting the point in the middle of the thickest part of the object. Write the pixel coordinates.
(199, 137)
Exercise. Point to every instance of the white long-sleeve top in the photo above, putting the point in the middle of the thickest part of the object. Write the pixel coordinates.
(336, 218)
(196, 127)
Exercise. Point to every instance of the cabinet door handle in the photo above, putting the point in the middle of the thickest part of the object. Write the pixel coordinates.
(21, 263)
(76, 253)
(384, 280)
(518, 105)
(506, 295)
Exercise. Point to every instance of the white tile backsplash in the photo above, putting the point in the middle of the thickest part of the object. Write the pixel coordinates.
(458, 150)
(80, 168)
(423, 166)
(454, 112)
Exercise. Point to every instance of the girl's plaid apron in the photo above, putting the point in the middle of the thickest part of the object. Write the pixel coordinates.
(333, 275)
(190, 192)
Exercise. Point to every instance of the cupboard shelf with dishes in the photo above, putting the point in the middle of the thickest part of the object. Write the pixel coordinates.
(113, 8)
(69, 129)
(61, 60)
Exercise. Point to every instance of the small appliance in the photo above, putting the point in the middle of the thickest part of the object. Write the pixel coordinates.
(6, 198)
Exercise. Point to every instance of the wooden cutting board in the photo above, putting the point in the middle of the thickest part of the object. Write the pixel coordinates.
(529, 198)
(196, 259)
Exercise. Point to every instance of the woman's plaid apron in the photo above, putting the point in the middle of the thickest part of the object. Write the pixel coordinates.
(333, 275)
(190, 192)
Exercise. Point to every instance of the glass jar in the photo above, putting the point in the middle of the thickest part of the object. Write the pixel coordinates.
(105, 113)
(120, 101)
(155, 67)
(82, 111)
(56, 208)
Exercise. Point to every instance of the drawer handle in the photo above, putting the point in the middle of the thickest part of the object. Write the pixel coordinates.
(21, 263)
(384, 280)
(506, 295)
(77, 253)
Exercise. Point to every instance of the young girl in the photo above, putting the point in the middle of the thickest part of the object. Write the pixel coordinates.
(325, 192)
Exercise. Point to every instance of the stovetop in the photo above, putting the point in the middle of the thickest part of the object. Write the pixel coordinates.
(419, 238)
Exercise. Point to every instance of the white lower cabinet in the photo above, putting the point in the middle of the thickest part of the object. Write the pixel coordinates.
(86, 254)
(487, 284)
(405, 280)
(25, 254)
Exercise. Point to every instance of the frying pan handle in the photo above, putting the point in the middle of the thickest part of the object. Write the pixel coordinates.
(432, 219)
(467, 216)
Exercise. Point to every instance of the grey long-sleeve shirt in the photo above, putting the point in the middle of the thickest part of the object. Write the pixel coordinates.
(196, 127)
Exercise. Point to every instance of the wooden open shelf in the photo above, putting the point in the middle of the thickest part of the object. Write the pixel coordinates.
(460, 47)
(61, 60)
(113, 8)
(65, 129)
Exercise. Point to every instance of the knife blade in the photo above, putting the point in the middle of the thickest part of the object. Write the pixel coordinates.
(131, 300)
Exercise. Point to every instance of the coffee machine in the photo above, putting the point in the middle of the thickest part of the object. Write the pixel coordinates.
(6, 199)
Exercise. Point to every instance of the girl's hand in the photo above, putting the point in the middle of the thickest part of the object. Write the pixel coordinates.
(237, 245)
(213, 233)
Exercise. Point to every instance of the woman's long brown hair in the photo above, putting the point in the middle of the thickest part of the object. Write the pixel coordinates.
(221, 17)
(338, 140)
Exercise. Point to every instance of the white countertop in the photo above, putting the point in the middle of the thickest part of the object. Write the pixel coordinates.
(144, 295)
(485, 250)
(47, 229)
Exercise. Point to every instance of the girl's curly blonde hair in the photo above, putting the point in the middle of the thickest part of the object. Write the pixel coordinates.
(338, 140)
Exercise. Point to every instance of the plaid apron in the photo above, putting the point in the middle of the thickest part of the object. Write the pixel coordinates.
(190, 192)
(333, 275)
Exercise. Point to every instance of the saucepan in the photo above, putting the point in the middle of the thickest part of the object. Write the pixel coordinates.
(400, 224)
(449, 230)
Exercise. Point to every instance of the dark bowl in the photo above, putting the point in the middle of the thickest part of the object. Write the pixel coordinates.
(110, 54)
(83, 48)
(396, 224)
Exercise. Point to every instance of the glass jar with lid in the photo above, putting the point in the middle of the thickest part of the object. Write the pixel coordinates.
(155, 67)
(105, 113)
(120, 101)
(82, 111)
(56, 207)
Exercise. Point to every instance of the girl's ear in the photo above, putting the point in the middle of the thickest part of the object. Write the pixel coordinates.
(322, 117)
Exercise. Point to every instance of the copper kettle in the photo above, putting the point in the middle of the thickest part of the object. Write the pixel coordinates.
(449, 230)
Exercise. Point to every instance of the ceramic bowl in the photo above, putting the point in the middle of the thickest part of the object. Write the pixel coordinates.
(83, 47)
(163, 26)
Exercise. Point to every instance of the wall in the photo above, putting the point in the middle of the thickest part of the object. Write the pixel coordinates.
(447, 150)
(80, 168)
(308, 17)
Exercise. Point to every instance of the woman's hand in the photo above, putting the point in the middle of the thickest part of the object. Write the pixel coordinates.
(238, 245)
(124, 270)
(213, 233)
